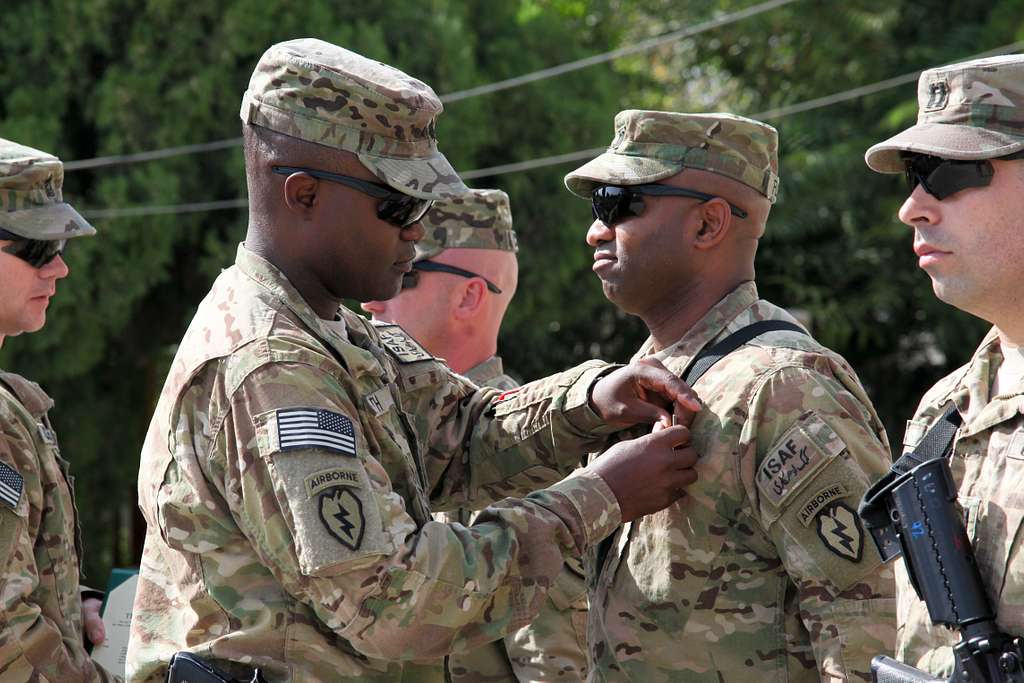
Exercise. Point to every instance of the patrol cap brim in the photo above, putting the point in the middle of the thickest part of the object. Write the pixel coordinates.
(618, 169)
(949, 141)
(425, 178)
(48, 222)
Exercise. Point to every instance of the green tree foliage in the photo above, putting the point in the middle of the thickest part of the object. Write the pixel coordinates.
(103, 77)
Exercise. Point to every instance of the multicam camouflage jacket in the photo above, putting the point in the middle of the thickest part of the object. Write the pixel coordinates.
(762, 571)
(288, 479)
(988, 467)
(40, 603)
(554, 645)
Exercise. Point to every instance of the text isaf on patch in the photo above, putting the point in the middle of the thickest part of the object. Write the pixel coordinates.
(315, 428)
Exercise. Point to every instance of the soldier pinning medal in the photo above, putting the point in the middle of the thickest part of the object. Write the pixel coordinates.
(297, 450)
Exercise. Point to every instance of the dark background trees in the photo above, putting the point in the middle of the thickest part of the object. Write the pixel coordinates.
(102, 77)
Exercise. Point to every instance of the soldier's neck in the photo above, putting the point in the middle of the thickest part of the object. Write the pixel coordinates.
(673, 316)
(464, 352)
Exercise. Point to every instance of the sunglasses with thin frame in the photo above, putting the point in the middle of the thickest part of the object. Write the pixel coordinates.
(412, 278)
(612, 203)
(36, 253)
(397, 208)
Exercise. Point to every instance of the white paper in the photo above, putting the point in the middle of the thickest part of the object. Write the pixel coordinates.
(117, 618)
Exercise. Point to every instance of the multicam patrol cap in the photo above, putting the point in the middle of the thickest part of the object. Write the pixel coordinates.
(971, 110)
(322, 93)
(481, 219)
(653, 145)
(31, 201)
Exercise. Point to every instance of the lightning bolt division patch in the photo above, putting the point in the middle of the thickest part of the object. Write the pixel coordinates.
(341, 512)
(839, 528)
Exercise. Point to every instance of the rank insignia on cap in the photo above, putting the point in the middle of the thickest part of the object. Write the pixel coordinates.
(839, 528)
(342, 514)
(315, 428)
(11, 485)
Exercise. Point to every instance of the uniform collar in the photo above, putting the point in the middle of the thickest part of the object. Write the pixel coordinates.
(342, 335)
(971, 390)
(488, 370)
(717, 320)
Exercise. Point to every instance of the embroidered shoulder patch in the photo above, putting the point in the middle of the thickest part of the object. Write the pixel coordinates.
(802, 451)
(839, 528)
(805, 513)
(399, 344)
(11, 485)
(341, 512)
(315, 428)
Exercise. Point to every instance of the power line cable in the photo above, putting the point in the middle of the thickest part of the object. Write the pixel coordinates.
(542, 74)
(542, 162)
(642, 46)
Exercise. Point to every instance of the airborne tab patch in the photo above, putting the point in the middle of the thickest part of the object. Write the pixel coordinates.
(399, 344)
(810, 507)
(11, 485)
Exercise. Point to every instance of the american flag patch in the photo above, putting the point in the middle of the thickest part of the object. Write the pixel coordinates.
(315, 428)
(11, 485)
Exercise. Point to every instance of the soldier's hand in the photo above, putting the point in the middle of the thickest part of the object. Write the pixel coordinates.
(644, 391)
(92, 622)
(648, 473)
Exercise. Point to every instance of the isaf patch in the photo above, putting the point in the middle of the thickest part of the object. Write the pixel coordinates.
(11, 485)
(341, 511)
(839, 528)
(808, 446)
(404, 348)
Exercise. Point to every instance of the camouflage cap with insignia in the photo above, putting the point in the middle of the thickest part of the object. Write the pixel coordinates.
(971, 110)
(481, 219)
(652, 145)
(30, 196)
(325, 94)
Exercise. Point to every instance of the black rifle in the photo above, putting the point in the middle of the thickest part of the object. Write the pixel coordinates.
(185, 667)
(913, 512)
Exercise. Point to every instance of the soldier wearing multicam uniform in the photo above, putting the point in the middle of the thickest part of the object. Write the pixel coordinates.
(965, 209)
(297, 451)
(458, 318)
(41, 607)
(762, 571)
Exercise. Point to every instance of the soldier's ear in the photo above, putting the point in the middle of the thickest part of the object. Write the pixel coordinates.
(715, 221)
(469, 298)
(301, 194)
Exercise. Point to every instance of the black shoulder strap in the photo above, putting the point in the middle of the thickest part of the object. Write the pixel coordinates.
(937, 443)
(704, 360)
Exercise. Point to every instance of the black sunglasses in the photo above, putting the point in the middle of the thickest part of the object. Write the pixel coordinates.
(397, 208)
(412, 278)
(36, 253)
(612, 203)
(942, 178)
